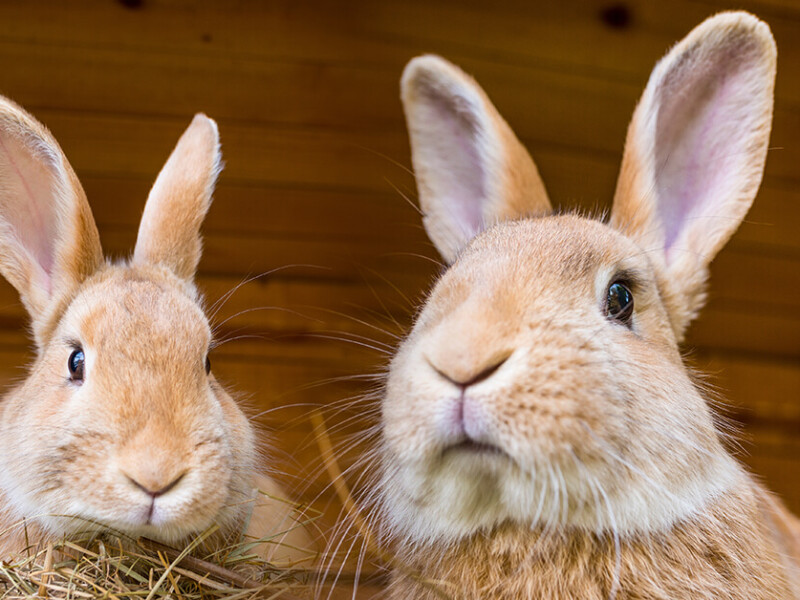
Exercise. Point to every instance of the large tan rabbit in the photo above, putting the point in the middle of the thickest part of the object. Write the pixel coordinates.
(120, 423)
(542, 437)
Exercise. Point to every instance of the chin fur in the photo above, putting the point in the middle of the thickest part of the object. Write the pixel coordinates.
(462, 496)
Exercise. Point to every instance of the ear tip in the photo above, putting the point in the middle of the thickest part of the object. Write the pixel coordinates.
(204, 129)
(424, 71)
(7, 104)
(426, 63)
(203, 121)
(739, 23)
(14, 117)
(736, 19)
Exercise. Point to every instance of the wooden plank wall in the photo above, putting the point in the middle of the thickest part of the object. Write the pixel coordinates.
(306, 96)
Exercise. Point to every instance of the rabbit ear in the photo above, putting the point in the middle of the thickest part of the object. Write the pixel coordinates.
(169, 233)
(695, 153)
(471, 169)
(48, 239)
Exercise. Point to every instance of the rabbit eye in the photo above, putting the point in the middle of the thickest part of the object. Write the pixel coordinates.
(208, 365)
(619, 304)
(75, 364)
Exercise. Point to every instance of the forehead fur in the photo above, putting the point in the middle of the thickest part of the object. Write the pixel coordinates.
(569, 244)
(538, 254)
(122, 304)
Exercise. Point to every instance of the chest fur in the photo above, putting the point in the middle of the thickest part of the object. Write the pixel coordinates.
(730, 552)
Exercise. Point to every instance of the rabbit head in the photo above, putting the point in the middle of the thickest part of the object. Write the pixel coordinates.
(119, 423)
(542, 383)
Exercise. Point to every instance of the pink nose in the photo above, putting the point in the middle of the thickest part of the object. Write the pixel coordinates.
(155, 486)
(468, 378)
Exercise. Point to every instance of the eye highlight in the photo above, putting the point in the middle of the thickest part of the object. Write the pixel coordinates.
(75, 364)
(619, 303)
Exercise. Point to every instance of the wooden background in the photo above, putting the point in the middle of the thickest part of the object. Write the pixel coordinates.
(306, 97)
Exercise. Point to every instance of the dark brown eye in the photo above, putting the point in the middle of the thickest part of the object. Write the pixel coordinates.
(75, 364)
(208, 365)
(619, 304)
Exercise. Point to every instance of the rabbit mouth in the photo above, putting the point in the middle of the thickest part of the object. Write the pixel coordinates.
(471, 446)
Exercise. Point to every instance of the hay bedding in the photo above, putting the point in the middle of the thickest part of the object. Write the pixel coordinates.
(110, 566)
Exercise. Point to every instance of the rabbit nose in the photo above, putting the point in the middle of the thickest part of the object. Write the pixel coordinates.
(465, 378)
(153, 485)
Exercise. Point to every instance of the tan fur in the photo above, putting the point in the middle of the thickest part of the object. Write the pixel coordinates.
(534, 446)
(79, 456)
(701, 560)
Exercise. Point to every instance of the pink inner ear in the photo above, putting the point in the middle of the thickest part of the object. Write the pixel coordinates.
(704, 129)
(459, 179)
(28, 189)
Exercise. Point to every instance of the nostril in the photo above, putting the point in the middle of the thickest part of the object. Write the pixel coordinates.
(156, 490)
(474, 376)
(485, 373)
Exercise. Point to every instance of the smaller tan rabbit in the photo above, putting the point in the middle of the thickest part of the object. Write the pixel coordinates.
(120, 423)
(542, 437)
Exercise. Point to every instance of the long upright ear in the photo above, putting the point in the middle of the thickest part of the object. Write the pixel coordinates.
(48, 239)
(471, 169)
(695, 153)
(169, 233)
